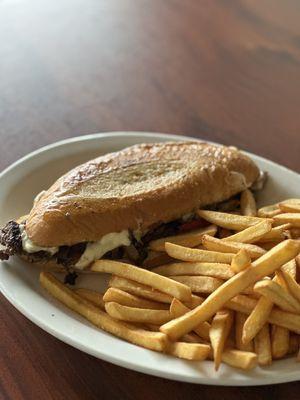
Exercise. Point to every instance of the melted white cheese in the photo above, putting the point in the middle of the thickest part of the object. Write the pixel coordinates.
(96, 250)
(30, 247)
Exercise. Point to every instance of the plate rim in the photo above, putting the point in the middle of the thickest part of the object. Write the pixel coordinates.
(248, 381)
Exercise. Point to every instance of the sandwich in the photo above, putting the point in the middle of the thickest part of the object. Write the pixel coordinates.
(114, 205)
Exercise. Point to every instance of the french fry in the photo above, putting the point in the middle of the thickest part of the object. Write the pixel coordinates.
(216, 270)
(262, 345)
(285, 320)
(278, 317)
(139, 290)
(221, 245)
(293, 286)
(269, 211)
(145, 277)
(259, 315)
(126, 299)
(240, 319)
(290, 207)
(240, 359)
(276, 234)
(280, 341)
(94, 297)
(197, 255)
(241, 303)
(252, 234)
(189, 239)
(218, 333)
(199, 284)
(140, 315)
(280, 280)
(288, 218)
(151, 340)
(248, 203)
(276, 293)
(257, 319)
(177, 309)
(240, 261)
(189, 351)
(290, 268)
(261, 267)
(229, 221)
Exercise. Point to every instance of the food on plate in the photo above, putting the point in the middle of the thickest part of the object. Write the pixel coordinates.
(248, 203)
(151, 340)
(119, 203)
(218, 334)
(240, 261)
(206, 304)
(265, 265)
(145, 277)
(262, 346)
(197, 271)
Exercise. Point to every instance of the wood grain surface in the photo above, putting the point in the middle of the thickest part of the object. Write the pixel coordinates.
(227, 71)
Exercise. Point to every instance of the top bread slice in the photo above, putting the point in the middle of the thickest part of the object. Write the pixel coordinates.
(136, 188)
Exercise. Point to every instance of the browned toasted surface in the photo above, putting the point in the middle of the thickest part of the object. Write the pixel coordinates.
(136, 187)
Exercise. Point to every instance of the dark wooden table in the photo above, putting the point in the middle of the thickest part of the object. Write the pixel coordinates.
(226, 70)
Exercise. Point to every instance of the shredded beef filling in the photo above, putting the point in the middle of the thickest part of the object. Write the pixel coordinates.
(69, 255)
(10, 237)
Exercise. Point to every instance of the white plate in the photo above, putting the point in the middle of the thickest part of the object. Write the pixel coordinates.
(19, 282)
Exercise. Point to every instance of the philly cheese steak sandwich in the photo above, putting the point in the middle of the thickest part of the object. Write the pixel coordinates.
(114, 205)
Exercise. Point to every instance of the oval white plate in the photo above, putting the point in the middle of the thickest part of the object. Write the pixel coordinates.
(19, 282)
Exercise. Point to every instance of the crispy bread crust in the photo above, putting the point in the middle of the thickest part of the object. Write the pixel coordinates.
(135, 188)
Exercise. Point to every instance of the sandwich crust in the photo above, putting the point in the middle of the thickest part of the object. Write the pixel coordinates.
(136, 188)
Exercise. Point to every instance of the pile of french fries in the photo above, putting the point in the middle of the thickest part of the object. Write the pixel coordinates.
(229, 292)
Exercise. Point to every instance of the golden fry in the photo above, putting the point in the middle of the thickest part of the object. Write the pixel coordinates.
(269, 211)
(240, 319)
(222, 245)
(145, 277)
(276, 234)
(140, 315)
(127, 299)
(288, 218)
(252, 234)
(293, 286)
(262, 345)
(189, 351)
(280, 341)
(229, 221)
(218, 333)
(240, 359)
(264, 266)
(257, 319)
(197, 255)
(177, 309)
(240, 261)
(276, 293)
(248, 203)
(216, 270)
(151, 340)
(139, 290)
(199, 284)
